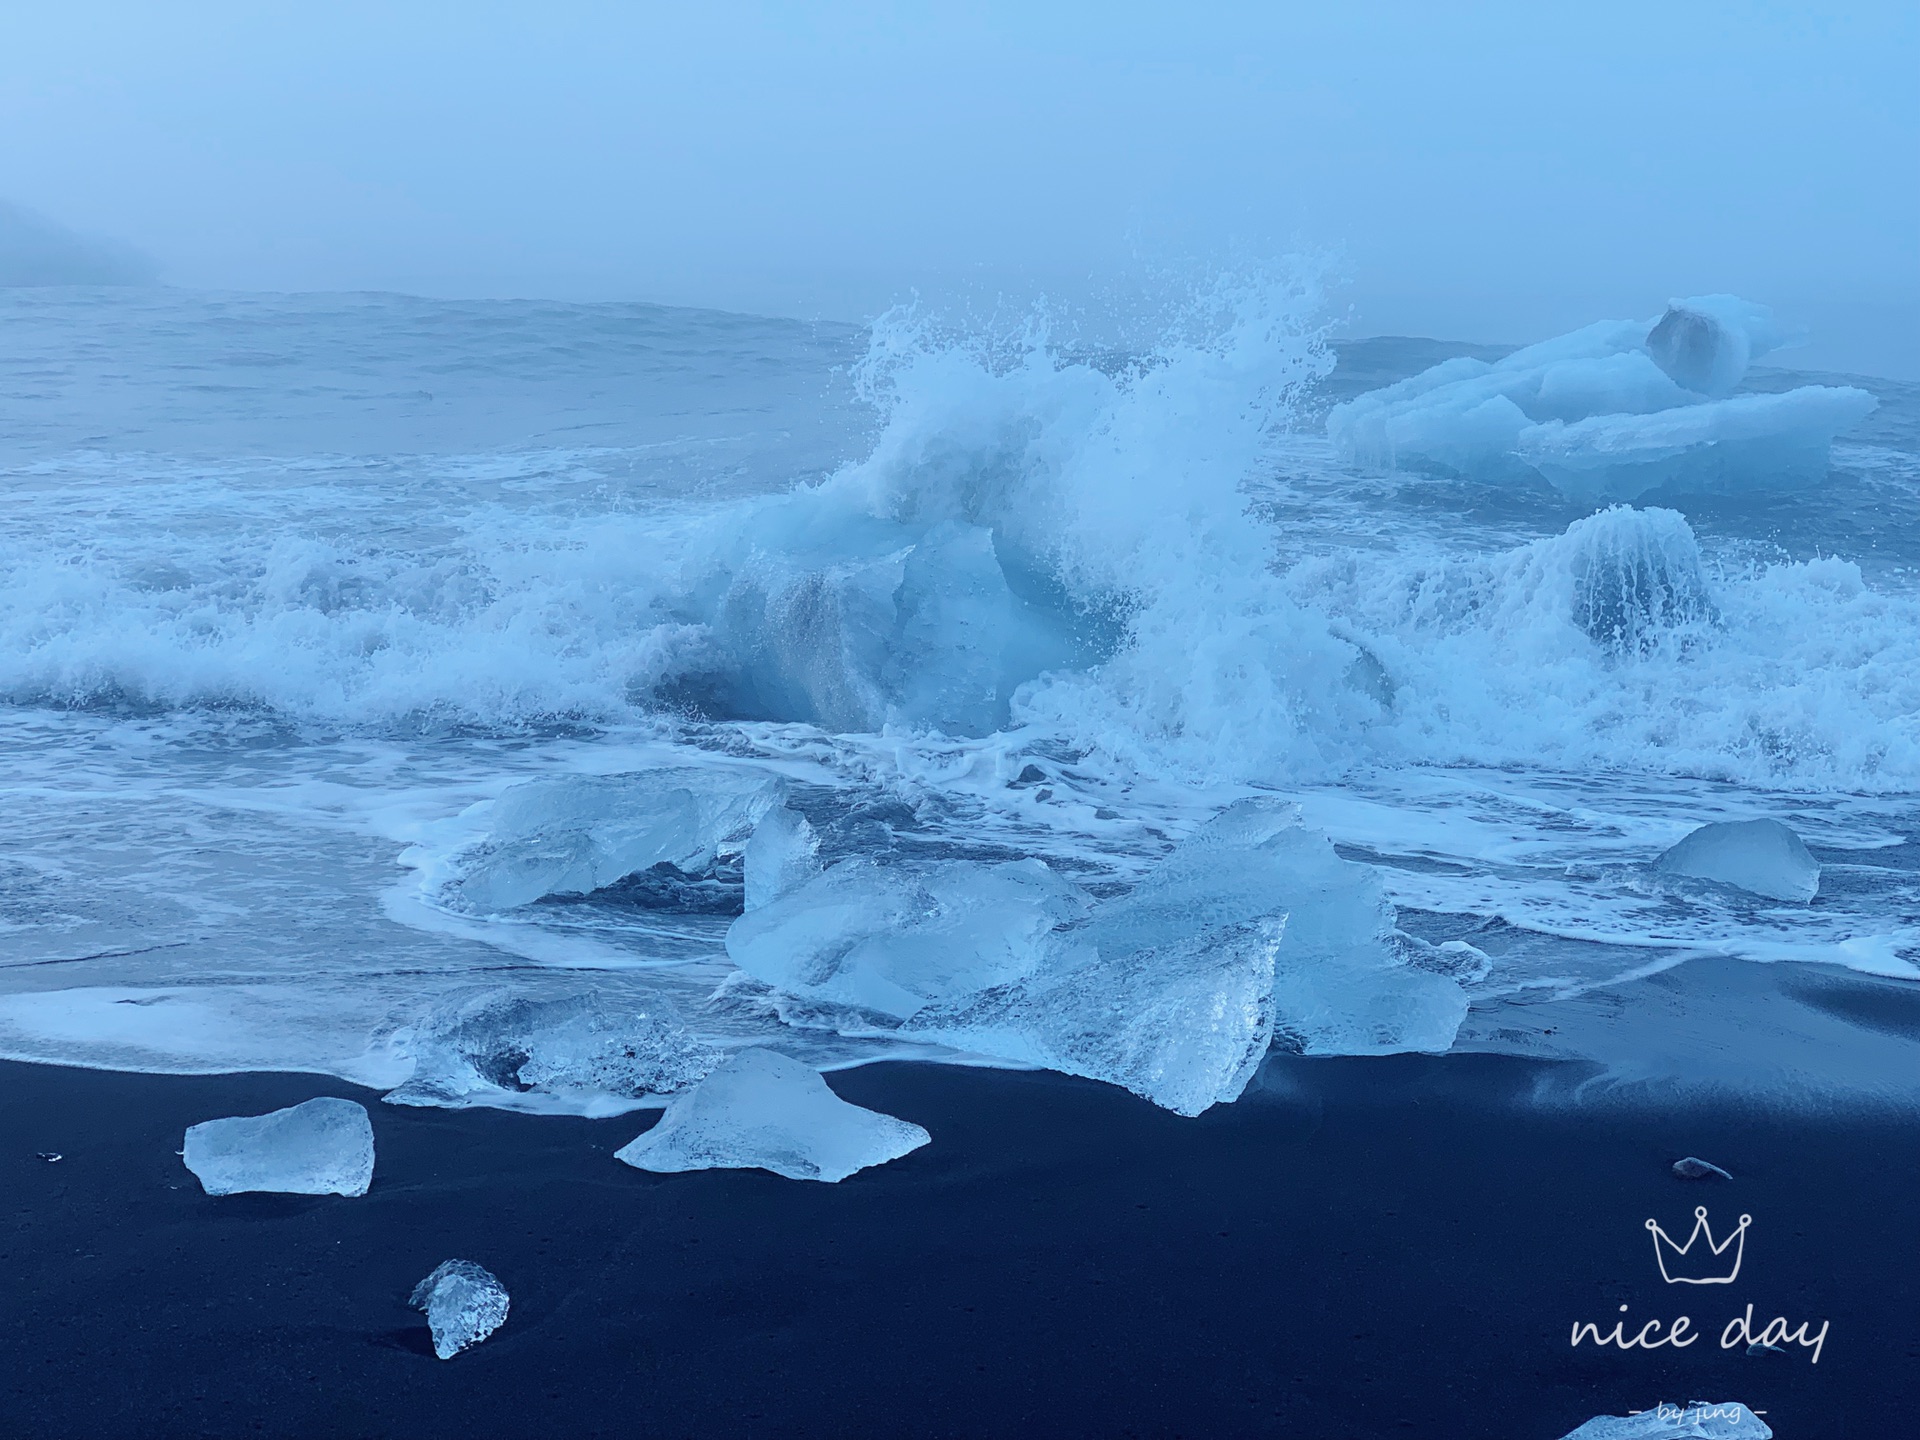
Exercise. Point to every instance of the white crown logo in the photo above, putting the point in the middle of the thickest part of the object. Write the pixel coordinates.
(1710, 1264)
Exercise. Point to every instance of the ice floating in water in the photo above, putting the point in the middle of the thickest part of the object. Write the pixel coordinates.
(1762, 856)
(782, 855)
(464, 1305)
(1693, 1167)
(1636, 576)
(764, 1111)
(515, 1052)
(1611, 412)
(580, 833)
(1724, 447)
(1251, 928)
(1707, 344)
(319, 1147)
(1696, 1420)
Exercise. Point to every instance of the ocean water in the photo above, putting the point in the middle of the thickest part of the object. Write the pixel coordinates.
(294, 588)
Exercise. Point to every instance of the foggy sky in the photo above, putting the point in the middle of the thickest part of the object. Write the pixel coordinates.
(1500, 174)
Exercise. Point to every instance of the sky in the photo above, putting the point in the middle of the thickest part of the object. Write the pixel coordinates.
(1492, 171)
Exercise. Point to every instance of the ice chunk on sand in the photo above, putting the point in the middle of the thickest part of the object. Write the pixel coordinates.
(464, 1305)
(1184, 1023)
(572, 1052)
(1696, 1420)
(764, 1111)
(1251, 927)
(782, 855)
(579, 833)
(319, 1147)
(1340, 987)
(1694, 1168)
(1723, 447)
(1762, 856)
(890, 940)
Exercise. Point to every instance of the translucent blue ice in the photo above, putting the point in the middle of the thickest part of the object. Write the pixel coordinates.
(764, 1111)
(1612, 412)
(319, 1147)
(1763, 856)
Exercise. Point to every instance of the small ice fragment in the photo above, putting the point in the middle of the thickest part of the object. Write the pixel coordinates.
(464, 1305)
(1695, 1420)
(1761, 1347)
(320, 1147)
(1761, 856)
(1694, 1168)
(764, 1111)
(52, 1157)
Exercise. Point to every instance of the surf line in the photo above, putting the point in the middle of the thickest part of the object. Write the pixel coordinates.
(1680, 1334)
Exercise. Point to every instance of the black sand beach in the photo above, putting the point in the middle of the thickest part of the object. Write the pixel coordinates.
(1359, 1248)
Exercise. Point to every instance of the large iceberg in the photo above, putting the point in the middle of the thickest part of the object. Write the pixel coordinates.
(579, 833)
(1612, 411)
(762, 1110)
(1751, 442)
(1761, 856)
(319, 1147)
(1251, 930)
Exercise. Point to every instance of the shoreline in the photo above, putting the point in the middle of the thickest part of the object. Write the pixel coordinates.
(1358, 1247)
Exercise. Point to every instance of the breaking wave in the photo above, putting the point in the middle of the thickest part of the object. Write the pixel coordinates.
(1035, 540)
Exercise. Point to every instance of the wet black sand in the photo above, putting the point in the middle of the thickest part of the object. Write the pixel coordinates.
(1359, 1248)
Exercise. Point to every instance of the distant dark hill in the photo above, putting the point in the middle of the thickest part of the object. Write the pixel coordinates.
(37, 251)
